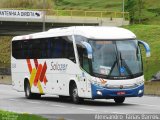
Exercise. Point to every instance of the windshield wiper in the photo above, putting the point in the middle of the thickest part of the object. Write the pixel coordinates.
(114, 64)
(125, 64)
(120, 62)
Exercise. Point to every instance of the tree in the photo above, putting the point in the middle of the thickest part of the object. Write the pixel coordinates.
(140, 7)
(131, 7)
(134, 7)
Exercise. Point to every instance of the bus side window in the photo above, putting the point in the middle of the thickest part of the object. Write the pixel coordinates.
(57, 48)
(49, 46)
(26, 52)
(68, 50)
(80, 55)
(44, 45)
(83, 59)
(16, 49)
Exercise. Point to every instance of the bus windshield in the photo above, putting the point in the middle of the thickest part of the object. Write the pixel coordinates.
(116, 59)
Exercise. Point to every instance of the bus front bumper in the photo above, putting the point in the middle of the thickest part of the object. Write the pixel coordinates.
(104, 93)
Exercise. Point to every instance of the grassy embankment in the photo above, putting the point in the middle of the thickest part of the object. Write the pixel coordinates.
(29, 4)
(150, 34)
(110, 5)
(150, 12)
(5, 115)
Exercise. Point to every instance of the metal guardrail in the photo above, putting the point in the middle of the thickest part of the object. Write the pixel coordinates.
(101, 14)
(80, 13)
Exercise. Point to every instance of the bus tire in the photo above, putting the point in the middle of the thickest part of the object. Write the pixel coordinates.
(27, 90)
(36, 95)
(28, 93)
(74, 94)
(119, 100)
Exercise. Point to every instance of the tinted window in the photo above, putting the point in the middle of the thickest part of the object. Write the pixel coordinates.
(83, 59)
(57, 47)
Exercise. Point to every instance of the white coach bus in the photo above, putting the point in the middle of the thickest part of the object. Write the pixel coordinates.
(83, 62)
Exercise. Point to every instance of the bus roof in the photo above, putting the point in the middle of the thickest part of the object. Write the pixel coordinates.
(93, 32)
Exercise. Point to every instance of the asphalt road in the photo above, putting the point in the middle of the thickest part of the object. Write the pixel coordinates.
(52, 107)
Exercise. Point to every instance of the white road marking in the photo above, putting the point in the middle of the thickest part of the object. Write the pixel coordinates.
(33, 102)
(58, 106)
(87, 109)
(146, 105)
(13, 100)
(116, 113)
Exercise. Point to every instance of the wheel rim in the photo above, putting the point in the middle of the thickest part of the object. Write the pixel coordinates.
(75, 93)
(27, 90)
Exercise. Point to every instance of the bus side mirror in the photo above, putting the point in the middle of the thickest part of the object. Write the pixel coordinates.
(146, 46)
(89, 49)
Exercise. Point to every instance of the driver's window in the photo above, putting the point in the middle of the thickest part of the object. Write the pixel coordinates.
(83, 59)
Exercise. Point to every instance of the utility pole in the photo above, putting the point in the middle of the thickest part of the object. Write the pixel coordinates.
(123, 9)
(44, 14)
(140, 2)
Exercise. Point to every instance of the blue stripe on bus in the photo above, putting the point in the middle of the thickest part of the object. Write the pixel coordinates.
(111, 93)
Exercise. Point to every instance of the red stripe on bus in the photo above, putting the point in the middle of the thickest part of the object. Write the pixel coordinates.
(43, 72)
(36, 63)
(39, 69)
(29, 65)
(45, 80)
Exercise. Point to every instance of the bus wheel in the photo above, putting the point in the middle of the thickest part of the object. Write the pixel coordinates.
(29, 94)
(119, 100)
(36, 95)
(74, 94)
(27, 89)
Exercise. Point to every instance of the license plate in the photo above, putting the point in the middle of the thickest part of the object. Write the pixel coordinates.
(121, 93)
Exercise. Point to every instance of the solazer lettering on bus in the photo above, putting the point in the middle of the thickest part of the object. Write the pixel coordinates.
(59, 67)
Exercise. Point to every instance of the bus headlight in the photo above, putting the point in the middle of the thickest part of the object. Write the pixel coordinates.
(140, 91)
(99, 93)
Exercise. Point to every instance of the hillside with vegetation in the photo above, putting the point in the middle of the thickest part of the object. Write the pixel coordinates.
(30, 4)
(149, 9)
(151, 35)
